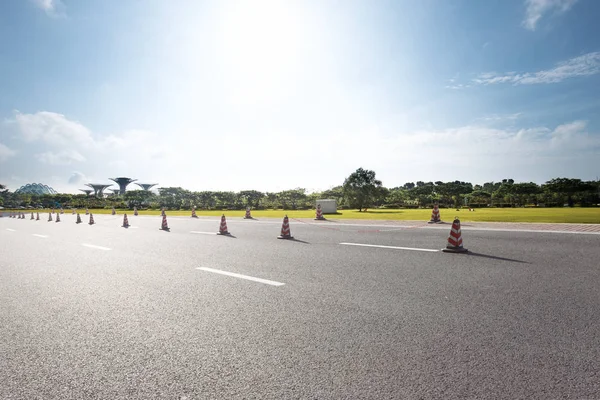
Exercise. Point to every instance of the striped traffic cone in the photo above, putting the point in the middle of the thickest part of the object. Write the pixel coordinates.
(223, 227)
(164, 226)
(285, 229)
(87, 212)
(125, 221)
(72, 211)
(113, 211)
(62, 211)
(135, 211)
(194, 212)
(32, 217)
(49, 217)
(435, 215)
(53, 211)
(57, 217)
(78, 219)
(248, 215)
(37, 217)
(319, 215)
(455, 243)
(91, 219)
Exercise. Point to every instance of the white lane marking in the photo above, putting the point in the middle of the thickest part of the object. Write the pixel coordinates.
(249, 278)
(10, 230)
(93, 246)
(38, 235)
(389, 247)
(204, 233)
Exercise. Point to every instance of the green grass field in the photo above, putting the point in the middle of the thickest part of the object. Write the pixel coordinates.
(553, 215)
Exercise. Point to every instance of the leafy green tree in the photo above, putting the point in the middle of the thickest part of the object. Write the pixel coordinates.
(362, 189)
(567, 187)
(251, 198)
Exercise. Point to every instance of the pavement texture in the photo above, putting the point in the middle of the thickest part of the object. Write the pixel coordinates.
(104, 312)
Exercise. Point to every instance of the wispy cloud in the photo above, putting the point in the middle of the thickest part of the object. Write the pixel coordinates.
(585, 65)
(53, 8)
(457, 86)
(64, 157)
(5, 152)
(536, 9)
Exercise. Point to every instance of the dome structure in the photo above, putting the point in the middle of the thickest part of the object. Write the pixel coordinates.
(35, 188)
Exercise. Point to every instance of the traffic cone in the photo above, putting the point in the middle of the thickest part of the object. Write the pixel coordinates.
(78, 219)
(248, 215)
(113, 211)
(319, 215)
(49, 217)
(135, 211)
(87, 212)
(435, 215)
(62, 211)
(223, 228)
(37, 217)
(125, 221)
(72, 211)
(57, 217)
(91, 219)
(285, 229)
(455, 243)
(164, 226)
(32, 217)
(53, 211)
(194, 212)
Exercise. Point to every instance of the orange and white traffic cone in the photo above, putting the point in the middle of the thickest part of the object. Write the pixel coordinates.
(113, 212)
(62, 211)
(57, 217)
(435, 215)
(319, 214)
(37, 217)
(78, 219)
(455, 242)
(248, 215)
(87, 212)
(194, 212)
(164, 226)
(285, 229)
(32, 217)
(49, 217)
(91, 219)
(125, 221)
(223, 227)
(53, 211)
(73, 211)
(135, 212)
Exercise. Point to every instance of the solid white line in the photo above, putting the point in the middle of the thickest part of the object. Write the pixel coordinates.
(204, 233)
(38, 235)
(10, 230)
(389, 247)
(249, 278)
(93, 246)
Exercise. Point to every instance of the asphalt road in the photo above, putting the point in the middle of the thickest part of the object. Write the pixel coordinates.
(105, 312)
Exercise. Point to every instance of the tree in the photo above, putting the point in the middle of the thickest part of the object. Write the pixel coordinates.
(361, 189)
(567, 187)
(251, 198)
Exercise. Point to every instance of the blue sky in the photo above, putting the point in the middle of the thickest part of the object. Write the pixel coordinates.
(271, 95)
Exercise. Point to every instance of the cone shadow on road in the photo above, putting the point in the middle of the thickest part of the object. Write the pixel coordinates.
(229, 236)
(298, 240)
(470, 253)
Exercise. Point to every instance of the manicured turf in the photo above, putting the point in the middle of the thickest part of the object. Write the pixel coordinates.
(552, 215)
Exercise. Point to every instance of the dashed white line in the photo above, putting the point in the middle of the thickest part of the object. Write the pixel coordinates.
(10, 230)
(93, 246)
(38, 235)
(204, 233)
(249, 278)
(390, 247)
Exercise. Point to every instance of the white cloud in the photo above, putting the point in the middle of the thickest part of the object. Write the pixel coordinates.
(5, 152)
(536, 9)
(76, 178)
(457, 86)
(52, 128)
(585, 65)
(53, 8)
(65, 157)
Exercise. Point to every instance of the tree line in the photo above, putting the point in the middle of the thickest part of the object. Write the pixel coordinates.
(360, 190)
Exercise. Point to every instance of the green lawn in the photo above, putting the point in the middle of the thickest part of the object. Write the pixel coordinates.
(560, 215)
